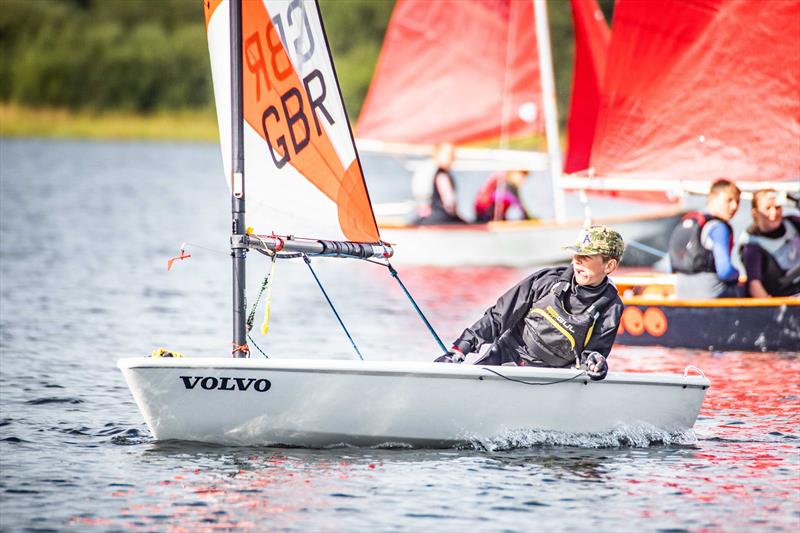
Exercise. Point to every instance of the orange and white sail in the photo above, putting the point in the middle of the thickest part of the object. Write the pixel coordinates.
(701, 89)
(303, 176)
(455, 71)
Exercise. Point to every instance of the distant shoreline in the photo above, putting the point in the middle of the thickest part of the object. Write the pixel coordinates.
(24, 122)
(181, 126)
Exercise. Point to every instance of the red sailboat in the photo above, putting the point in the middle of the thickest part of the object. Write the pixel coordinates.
(716, 94)
(462, 71)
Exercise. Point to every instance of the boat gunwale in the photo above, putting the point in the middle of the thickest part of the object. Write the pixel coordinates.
(395, 369)
(717, 302)
(522, 225)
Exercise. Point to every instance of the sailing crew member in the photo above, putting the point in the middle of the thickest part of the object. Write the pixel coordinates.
(770, 248)
(498, 194)
(557, 317)
(700, 247)
(443, 208)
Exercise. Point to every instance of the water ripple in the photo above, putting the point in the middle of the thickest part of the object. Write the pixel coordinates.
(131, 437)
(75, 455)
(45, 401)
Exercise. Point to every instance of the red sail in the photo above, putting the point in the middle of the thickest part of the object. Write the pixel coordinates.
(700, 89)
(591, 46)
(455, 71)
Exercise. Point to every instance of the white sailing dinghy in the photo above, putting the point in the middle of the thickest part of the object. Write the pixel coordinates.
(282, 122)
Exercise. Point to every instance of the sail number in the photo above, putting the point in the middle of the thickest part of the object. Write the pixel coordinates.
(266, 57)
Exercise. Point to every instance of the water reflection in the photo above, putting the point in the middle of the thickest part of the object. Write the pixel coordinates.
(75, 455)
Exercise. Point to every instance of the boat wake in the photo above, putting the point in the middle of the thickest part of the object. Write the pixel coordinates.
(640, 436)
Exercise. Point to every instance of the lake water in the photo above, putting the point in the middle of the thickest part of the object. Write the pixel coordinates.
(86, 229)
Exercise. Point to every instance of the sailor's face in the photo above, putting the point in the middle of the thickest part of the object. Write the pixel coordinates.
(516, 178)
(590, 270)
(724, 204)
(445, 154)
(768, 214)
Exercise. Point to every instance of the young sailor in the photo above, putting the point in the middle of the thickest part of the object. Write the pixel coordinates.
(770, 249)
(700, 247)
(557, 317)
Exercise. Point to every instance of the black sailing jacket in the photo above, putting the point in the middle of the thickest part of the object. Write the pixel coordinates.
(505, 320)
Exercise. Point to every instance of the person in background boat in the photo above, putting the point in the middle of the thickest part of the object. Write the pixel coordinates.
(442, 208)
(700, 247)
(557, 317)
(770, 248)
(498, 194)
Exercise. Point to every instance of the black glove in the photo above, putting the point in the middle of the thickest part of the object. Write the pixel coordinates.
(595, 365)
(452, 356)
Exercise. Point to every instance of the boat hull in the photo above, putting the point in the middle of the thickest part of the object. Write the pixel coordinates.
(742, 324)
(317, 403)
(521, 243)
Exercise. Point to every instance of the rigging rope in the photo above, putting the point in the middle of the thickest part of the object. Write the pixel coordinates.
(241, 348)
(576, 376)
(267, 283)
(252, 315)
(268, 299)
(257, 346)
(264, 284)
(419, 311)
(308, 262)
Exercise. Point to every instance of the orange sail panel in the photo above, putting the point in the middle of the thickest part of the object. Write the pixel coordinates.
(455, 71)
(301, 170)
(591, 46)
(701, 89)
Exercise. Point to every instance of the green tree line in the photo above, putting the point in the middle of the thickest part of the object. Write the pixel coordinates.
(151, 55)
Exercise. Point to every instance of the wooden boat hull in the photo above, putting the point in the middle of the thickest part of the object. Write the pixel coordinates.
(522, 243)
(742, 324)
(319, 403)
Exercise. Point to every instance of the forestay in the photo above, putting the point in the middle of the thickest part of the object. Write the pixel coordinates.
(303, 174)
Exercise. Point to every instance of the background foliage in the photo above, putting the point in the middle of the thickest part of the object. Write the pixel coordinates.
(148, 56)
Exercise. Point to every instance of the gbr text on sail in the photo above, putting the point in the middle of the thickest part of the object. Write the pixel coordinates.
(287, 105)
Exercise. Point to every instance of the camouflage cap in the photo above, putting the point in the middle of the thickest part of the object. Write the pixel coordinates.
(598, 240)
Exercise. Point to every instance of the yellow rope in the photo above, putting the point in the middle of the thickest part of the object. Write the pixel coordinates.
(268, 299)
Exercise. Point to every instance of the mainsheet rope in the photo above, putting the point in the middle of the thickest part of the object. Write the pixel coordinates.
(576, 376)
(393, 272)
(325, 294)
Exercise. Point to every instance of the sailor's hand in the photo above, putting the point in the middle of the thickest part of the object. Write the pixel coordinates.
(453, 355)
(595, 365)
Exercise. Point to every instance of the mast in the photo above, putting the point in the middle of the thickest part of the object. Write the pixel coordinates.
(549, 102)
(238, 240)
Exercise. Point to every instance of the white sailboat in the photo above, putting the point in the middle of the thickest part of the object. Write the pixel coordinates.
(324, 403)
(283, 125)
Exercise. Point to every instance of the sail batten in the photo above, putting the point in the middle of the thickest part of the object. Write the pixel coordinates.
(299, 151)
